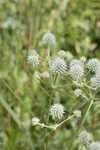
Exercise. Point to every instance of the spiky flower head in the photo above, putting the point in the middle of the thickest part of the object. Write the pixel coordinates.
(95, 81)
(94, 146)
(78, 92)
(58, 66)
(62, 54)
(76, 72)
(57, 111)
(84, 138)
(93, 64)
(45, 75)
(69, 56)
(49, 39)
(35, 121)
(33, 58)
(77, 113)
(76, 62)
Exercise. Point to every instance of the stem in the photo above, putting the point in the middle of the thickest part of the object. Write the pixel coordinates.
(86, 114)
(61, 123)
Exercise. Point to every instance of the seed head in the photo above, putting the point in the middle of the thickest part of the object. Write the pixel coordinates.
(57, 111)
(58, 66)
(49, 39)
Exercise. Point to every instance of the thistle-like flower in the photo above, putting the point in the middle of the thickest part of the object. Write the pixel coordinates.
(94, 146)
(45, 75)
(76, 71)
(76, 62)
(33, 58)
(57, 111)
(84, 138)
(58, 66)
(35, 121)
(78, 92)
(62, 54)
(93, 64)
(95, 81)
(77, 113)
(49, 39)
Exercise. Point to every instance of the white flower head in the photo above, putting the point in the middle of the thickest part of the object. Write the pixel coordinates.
(62, 54)
(57, 111)
(84, 138)
(93, 64)
(58, 66)
(33, 58)
(95, 81)
(35, 121)
(45, 75)
(49, 39)
(76, 62)
(78, 92)
(77, 113)
(76, 72)
(94, 146)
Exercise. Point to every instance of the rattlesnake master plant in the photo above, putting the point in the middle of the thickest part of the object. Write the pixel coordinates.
(80, 74)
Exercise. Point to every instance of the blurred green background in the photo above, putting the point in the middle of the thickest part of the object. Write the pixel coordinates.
(76, 25)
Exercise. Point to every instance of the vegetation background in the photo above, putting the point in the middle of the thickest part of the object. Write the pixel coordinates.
(76, 25)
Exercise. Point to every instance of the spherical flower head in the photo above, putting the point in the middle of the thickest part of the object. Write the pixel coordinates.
(94, 146)
(49, 39)
(93, 64)
(58, 66)
(76, 62)
(35, 121)
(62, 54)
(78, 92)
(84, 138)
(76, 72)
(57, 111)
(83, 59)
(77, 113)
(33, 58)
(45, 75)
(95, 81)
